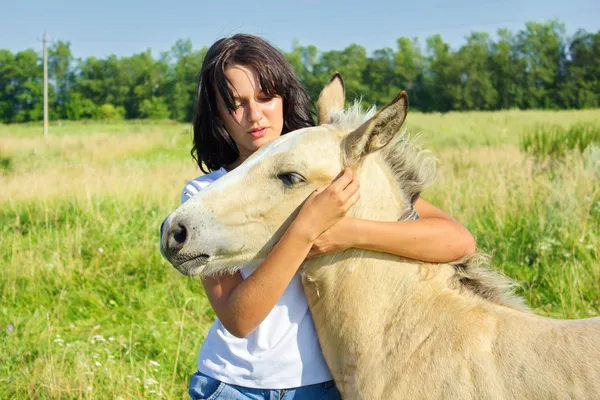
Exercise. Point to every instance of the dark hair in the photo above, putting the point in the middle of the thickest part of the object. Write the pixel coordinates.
(213, 147)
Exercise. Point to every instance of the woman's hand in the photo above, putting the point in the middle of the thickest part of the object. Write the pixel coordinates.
(339, 237)
(326, 206)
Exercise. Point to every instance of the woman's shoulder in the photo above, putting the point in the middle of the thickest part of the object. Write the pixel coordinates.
(196, 185)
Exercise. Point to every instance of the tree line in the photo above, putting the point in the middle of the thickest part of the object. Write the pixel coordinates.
(538, 67)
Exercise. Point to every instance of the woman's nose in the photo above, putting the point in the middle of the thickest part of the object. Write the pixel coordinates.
(254, 112)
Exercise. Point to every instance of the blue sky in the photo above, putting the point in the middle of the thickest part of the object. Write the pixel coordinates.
(125, 27)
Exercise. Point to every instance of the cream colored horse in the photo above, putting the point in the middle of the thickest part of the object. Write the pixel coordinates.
(390, 328)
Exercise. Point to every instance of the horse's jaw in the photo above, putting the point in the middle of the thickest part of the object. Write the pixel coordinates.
(228, 267)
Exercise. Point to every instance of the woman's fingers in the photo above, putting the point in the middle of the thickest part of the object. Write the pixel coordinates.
(342, 188)
(351, 189)
(342, 181)
(352, 200)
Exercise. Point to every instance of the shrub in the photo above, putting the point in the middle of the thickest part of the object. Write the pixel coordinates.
(110, 112)
(156, 108)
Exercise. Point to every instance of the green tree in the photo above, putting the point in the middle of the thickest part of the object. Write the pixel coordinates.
(305, 61)
(446, 87)
(153, 108)
(7, 86)
(181, 89)
(379, 78)
(410, 73)
(581, 88)
(77, 107)
(60, 72)
(478, 92)
(26, 82)
(542, 49)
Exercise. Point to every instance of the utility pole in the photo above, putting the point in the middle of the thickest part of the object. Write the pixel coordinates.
(45, 87)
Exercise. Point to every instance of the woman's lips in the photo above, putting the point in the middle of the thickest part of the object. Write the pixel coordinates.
(258, 133)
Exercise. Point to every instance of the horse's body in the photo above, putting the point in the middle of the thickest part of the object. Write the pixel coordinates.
(389, 327)
(409, 334)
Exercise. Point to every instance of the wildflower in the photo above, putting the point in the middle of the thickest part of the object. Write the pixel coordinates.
(98, 364)
(150, 382)
(98, 338)
(9, 327)
(100, 250)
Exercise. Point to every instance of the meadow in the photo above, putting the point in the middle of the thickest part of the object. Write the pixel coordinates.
(89, 309)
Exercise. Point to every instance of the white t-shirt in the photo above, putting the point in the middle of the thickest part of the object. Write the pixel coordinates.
(282, 352)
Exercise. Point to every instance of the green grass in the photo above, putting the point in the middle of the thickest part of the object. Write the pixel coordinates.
(95, 310)
(91, 310)
(547, 141)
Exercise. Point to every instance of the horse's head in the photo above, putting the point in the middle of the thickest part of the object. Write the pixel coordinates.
(239, 218)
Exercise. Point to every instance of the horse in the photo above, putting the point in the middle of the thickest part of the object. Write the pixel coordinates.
(390, 327)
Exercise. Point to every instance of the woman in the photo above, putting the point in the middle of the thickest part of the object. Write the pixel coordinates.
(263, 343)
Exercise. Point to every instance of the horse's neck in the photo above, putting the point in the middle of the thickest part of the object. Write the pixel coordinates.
(362, 290)
(362, 301)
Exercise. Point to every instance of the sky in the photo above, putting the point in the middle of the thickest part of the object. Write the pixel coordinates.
(125, 27)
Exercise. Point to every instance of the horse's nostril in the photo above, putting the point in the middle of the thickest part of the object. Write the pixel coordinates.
(181, 234)
(176, 236)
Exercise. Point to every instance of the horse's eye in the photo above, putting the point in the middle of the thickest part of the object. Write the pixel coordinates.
(291, 178)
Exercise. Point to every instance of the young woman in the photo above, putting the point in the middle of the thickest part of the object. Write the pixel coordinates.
(263, 344)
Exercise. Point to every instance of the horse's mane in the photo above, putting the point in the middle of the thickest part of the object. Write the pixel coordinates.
(414, 170)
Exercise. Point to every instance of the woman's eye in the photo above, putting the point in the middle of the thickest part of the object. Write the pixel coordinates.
(262, 96)
(291, 178)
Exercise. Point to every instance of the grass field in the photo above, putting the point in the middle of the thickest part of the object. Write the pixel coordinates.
(91, 310)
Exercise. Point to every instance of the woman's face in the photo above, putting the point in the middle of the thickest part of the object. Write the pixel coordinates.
(257, 118)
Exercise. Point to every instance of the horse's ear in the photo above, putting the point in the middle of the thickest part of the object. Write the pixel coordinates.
(378, 131)
(331, 99)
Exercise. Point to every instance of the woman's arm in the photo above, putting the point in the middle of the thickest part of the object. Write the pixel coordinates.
(242, 305)
(435, 237)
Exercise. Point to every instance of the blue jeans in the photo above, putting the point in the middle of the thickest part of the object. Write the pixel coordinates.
(207, 388)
